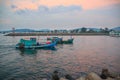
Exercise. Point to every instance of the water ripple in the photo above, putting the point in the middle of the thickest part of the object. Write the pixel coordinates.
(88, 53)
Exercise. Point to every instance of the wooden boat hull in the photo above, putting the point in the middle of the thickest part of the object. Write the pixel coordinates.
(69, 41)
(61, 41)
(52, 45)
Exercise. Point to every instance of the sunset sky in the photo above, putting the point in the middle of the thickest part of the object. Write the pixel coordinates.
(59, 14)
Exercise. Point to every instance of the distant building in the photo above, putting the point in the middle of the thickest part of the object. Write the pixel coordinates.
(114, 33)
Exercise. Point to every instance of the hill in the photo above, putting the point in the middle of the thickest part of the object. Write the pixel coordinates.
(116, 29)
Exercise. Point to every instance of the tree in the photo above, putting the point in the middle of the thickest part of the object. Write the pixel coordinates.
(91, 31)
(101, 30)
(83, 29)
(106, 30)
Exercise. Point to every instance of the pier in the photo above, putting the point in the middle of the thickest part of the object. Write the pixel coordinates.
(55, 34)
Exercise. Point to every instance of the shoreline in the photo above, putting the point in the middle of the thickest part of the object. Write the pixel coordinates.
(56, 75)
(56, 34)
(105, 75)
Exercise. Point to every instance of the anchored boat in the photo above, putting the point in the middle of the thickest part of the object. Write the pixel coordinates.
(60, 40)
(33, 44)
(69, 41)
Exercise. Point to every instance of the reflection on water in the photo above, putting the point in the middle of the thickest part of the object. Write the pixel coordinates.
(33, 51)
(27, 51)
(86, 54)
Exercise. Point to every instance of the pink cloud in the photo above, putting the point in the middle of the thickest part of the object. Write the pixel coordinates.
(93, 4)
(24, 4)
(85, 4)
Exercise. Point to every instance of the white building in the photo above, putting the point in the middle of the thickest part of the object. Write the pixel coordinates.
(114, 33)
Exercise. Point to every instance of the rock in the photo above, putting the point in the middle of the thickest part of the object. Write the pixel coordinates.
(12, 79)
(63, 79)
(92, 76)
(105, 74)
(44, 79)
(81, 78)
(109, 79)
(118, 77)
(69, 77)
(55, 76)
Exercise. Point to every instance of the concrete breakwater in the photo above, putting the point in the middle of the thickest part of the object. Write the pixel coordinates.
(53, 34)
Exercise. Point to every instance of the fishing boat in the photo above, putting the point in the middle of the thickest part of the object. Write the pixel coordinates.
(69, 41)
(33, 44)
(60, 40)
(57, 39)
(53, 38)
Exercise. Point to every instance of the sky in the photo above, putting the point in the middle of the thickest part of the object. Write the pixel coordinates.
(59, 14)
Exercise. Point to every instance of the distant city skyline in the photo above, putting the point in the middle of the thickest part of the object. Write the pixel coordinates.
(59, 14)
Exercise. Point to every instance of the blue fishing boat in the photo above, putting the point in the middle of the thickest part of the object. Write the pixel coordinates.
(57, 39)
(60, 40)
(69, 41)
(33, 44)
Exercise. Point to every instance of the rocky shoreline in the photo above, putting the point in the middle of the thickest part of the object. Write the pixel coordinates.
(105, 75)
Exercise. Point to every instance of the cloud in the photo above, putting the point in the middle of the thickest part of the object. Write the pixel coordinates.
(24, 4)
(13, 6)
(112, 10)
(21, 11)
(57, 14)
(85, 4)
(52, 10)
(60, 9)
(43, 9)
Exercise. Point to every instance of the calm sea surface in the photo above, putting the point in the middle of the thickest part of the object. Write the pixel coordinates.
(86, 54)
